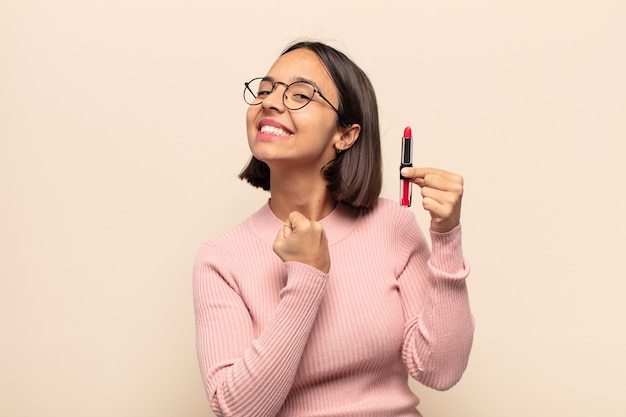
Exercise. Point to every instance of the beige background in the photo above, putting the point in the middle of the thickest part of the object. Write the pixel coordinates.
(122, 132)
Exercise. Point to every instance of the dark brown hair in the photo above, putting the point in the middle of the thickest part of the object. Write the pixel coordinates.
(355, 175)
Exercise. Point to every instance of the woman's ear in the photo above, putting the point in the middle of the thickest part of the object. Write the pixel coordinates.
(347, 137)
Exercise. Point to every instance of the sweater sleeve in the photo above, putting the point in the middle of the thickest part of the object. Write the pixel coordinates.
(244, 376)
(439, 325)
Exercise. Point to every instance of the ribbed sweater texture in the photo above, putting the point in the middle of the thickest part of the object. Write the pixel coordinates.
(284, 339)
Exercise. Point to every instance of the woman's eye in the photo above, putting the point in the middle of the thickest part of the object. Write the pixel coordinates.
(263, 93)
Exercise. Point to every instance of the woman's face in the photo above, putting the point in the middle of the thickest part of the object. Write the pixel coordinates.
(301, 138)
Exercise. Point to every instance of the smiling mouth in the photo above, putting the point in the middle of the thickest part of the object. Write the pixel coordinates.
(273, 130)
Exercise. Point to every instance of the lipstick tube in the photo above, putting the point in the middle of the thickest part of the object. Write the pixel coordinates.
(406, 160)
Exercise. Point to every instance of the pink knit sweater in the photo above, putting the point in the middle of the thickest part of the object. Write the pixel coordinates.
(285, 339)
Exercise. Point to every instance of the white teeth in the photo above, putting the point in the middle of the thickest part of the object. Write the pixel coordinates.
(273, 130)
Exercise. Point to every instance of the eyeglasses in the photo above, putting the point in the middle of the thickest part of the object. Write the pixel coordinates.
(296, 95)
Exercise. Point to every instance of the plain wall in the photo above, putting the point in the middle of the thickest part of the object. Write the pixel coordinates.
(122, 132)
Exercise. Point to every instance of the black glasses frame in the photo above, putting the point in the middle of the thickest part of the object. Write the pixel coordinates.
(274, 83)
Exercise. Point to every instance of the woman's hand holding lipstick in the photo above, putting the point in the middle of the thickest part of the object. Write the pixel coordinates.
(442, 192)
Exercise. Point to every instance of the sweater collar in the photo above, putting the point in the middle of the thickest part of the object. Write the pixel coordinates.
(336, 225)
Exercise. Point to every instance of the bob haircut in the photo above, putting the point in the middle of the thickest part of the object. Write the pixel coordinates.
(355, 175)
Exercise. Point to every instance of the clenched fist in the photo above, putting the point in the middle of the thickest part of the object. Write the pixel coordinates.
(302, 240)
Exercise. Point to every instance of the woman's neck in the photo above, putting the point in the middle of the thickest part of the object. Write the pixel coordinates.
(308, 196)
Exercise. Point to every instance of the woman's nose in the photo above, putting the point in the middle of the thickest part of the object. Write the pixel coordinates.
(274, 100)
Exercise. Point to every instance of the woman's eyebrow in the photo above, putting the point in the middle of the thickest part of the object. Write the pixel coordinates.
(294, 80)
(306, 80)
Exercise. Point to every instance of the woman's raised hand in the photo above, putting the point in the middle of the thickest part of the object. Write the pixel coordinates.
(303, 240)
(442, 192)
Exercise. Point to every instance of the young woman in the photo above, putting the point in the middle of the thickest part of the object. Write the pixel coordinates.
(324, 301)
